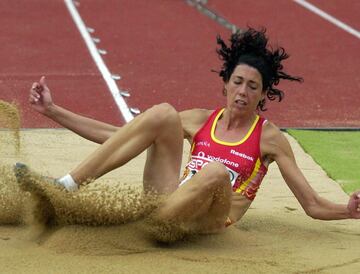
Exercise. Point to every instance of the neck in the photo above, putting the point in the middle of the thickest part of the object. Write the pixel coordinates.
(231, 120)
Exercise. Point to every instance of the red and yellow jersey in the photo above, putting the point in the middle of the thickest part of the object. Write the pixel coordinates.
(242, 159)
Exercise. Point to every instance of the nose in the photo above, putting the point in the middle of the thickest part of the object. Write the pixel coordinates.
(241, 90)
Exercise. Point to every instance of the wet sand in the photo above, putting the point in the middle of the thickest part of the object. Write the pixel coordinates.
(275, 236)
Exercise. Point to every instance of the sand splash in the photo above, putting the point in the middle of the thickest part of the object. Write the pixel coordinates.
(99, 204)
(12, 199)
(102, 203)
(41, 204)
(10, 119)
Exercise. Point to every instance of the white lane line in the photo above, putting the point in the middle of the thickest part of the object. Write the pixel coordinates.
(328, 17)
(113, 88)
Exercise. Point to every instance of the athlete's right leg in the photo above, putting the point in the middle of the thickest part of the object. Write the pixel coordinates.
(159, 129)
(202, 204)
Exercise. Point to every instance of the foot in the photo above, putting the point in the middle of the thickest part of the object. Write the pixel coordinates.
(30, 181)
(42, 209)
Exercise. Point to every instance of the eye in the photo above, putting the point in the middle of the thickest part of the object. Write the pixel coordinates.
(237, 82)
(253, 86)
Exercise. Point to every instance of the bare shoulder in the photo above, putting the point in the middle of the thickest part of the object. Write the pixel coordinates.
(273, 142)
(195, 115)
(271, 133)
(192, 120)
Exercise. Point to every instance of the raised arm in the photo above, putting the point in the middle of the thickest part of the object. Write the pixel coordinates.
(279, 150)
(40, 99)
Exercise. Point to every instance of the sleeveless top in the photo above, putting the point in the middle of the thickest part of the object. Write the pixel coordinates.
(242, 159)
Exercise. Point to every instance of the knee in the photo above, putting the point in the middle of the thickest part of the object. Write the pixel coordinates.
(163, 114)
(216, 175)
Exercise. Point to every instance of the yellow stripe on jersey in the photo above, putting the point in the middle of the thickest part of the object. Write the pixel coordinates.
(213, 137)
(192, 147)
(252, 176)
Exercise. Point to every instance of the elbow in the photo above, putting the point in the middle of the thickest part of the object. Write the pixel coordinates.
(311, 209)
(311, 212)
(107, 134)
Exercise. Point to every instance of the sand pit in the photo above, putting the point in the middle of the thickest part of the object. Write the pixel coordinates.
(275, 236)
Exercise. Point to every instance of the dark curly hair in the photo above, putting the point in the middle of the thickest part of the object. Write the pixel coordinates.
(251, 47)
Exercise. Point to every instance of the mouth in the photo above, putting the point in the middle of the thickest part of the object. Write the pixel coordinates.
(240, 102)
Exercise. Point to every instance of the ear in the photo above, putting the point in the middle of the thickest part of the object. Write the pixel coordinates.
(224, 91)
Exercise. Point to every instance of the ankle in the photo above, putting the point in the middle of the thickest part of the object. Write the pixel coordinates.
(68, 182)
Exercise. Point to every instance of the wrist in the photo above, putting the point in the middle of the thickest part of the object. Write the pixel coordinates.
(350, 214)
(51, 111)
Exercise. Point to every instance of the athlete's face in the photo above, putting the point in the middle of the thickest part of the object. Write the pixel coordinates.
(244, 89)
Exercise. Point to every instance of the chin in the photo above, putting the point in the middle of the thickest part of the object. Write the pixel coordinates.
(239, 110)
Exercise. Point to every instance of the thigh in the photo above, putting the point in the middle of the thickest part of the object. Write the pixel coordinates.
(164, 156)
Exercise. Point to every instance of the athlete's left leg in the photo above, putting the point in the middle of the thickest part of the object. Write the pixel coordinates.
(159, 131)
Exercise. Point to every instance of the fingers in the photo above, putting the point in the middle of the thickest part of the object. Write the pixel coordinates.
(34, 98)
(37, 87)
(356, 196)
(35, 92)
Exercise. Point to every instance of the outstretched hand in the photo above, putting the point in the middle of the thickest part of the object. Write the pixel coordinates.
(354, 205)
(40, 96)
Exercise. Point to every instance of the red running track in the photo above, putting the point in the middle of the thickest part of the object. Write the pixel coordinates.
(323, 54)
(346, 11)
(40, 38)
(165, 51)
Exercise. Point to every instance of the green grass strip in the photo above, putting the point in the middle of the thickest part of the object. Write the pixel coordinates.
(338, 153)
